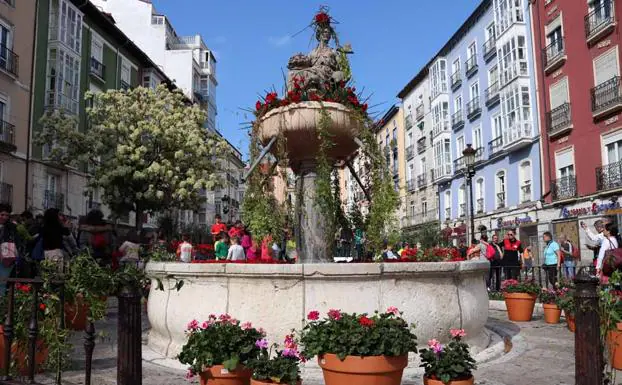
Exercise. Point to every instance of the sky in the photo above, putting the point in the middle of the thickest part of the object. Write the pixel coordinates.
(253, 40)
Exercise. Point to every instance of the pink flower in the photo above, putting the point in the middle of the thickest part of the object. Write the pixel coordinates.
(262, 344)
(193, 325)
(189, 375)
(205, 324)
(290, 342)
(224, 318)
(262, 331)
(233, 321)
(246, 326)
(288, 352)
(334, 314)
(435, 346)
(313, 315)
(393, 310)
(457, 333)
(212, 316)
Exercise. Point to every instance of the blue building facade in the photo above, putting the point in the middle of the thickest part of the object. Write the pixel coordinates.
(492, 106)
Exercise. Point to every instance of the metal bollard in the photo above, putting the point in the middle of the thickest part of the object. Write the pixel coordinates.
(129, 334)
(589, 362)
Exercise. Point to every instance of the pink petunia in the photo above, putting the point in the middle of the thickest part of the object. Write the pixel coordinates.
(334, 314)
(313, 315)
(246, 326)
(393, 310)
(457, 333)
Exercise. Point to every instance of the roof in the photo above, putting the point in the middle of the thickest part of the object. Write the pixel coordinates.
(391, 112)
(451, 43)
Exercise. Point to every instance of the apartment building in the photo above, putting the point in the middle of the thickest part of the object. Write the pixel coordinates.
(17, 29)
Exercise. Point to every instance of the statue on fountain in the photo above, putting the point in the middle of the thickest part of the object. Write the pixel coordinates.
(321, 65)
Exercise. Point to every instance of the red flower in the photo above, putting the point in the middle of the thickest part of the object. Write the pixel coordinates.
(364, 321)
(334, 314)
(258, 105)
(313, 315)
(42, 307)
(314, 97)
(284, 102)
(322, 18)
(270, 97)
(23, 288)
(295, 97)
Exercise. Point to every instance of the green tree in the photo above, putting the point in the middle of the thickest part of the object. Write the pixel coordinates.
(146, 149)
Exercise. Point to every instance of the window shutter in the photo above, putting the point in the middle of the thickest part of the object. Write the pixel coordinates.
(559, 93)
(606, 67)
(553, 25)
(564, 159)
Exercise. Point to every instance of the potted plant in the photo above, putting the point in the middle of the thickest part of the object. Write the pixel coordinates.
(611, 320)
(520, 298)
(449, 364)
(549, 299)
(219, 348)
(280, 368)
(566, 303)
(357, 348)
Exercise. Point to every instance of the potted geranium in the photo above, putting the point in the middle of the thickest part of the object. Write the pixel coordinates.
(611, 319)
(218, 350)
(549, 299)
(520, 298)
(359, 349)
(281, 368)
(449, 364)
(566, 302)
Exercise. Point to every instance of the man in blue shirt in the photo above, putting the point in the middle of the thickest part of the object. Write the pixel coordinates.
(552, 258)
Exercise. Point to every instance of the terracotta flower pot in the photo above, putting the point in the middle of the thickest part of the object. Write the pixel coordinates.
(218, 375)
(19, 355)
(257, 382)
(376, 370)
(570, 321)
(614, 346)
(520, 306)
(76, 314)
(430, 381)
(552, 313)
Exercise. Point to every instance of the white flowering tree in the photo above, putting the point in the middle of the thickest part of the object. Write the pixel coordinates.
(147, 150)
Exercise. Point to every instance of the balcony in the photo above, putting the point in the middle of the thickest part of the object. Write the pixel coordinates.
(421, 146)
(98, 69)
(479, 206)
(422, 180)
(554, 55)
(6, 194)
(492, 95)
(440, 127)
(559, 120)
(490, 49)
(606, 98)
(517, 136)
(462, 210)
(500, 200)
(53, 200)
(456, 80)
(495, 146)
(7, 136)
(408, 121)
(525, 192)
(124, 85)
(410, 185)
(609, 176)
(443, 173)
(471, 66)
(447, 213)
(457, 120)
(419, 111)
(564, 188)
(474, 110)
(600, 22)
(9, 61)
(410, 152)
(459, 164)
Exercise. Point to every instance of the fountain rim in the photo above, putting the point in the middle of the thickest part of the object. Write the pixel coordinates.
(309, 104)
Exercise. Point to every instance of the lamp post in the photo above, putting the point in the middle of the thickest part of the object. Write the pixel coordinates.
(469, 171)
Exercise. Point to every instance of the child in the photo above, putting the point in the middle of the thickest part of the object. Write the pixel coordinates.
(236, 252)
(184, 250)
(222, 247)
(254, 252)
(527, 259)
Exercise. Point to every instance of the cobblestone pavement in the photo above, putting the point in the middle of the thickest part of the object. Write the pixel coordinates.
(534, 353)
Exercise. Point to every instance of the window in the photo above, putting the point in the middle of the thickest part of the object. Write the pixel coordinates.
(554, 33)
(458, 103)
(63, 80)
(497, 126)
(606, 66)
(409, 139)
(525, 181)
(6, 60)
(508, 12)
(424, 208)
(439, 117)
(424, 166)
(125, 72)
(455, 67)
(472, 52)
(442, 157)
(516, 109)
(559, 93)
(490, 31)
(614, 151)
(439, 78)
(493, 75)
(447, 204)
(97, 49)
(500, 189)
(395, 133)
(460, 146)
(66, 24)
(3, 109)
(461, 201)
(513, 59)
(479, 195)
(474, 90)
(150, 81)
(477, 138)
(411, 172)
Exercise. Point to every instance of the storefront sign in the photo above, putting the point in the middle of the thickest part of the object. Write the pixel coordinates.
(515, 222)
(608, 208)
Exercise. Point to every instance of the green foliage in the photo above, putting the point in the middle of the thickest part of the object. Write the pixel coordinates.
(282, 368)
(219, 341)
(427, 236)
(448, 362)
(514, 286)
(357, 335)
(355, 217)
(566, 300)
(324, 197)
(611, 303)
(147, 149)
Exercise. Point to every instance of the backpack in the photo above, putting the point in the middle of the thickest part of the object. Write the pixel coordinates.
(490, 252)
(612, 261)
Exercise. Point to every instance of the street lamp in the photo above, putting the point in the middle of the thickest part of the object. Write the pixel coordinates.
(469, 171)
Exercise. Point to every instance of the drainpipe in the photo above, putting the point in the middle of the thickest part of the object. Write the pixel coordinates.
(30, 112)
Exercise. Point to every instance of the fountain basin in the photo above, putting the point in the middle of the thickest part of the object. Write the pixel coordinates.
(298, 123)
(435, 296)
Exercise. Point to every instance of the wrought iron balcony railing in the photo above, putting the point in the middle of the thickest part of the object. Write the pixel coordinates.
(490, 48)
(564, 188)
(410, 152)
(7, 133)
(408, 121)
(471, 66)
(422, 180)
(609, 176)
(9, 61)
(421, 145)
(501, 200)
(495, 145)
(606, 96)
(98, 69)
(53, 200)
(492, 94)
(419, 111)
(456, 80)
(447, 212)
(525, 192)
(462, 210)
(473, 108)
(554, 53)
(559, 119)
(457, 119)
(480, 206)
(460, 163)
(600, 20)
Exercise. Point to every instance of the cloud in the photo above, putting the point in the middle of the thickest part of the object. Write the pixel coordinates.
(279, 41)
(218, 39)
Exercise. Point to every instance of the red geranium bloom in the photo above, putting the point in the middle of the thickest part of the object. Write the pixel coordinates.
(322, 18)
(334, 314)
(313, 315)
(364, 107)
(364, 321)
(270, 97)
(315, 97)
(258, 105)
(284, 102)
(42, 307)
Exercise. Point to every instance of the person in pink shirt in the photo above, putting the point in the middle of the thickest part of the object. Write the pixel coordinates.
(246, 241)
(254, 252)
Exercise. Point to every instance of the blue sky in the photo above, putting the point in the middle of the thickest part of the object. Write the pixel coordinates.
(253, 40)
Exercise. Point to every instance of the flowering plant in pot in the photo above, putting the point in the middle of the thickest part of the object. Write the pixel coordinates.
(566, 302)
(549, 299)
(281, 368)
(359, 348)
(219, 348)
(448, 364)
(520, 298)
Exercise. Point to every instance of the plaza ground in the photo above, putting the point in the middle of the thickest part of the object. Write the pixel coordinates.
(531, 353)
